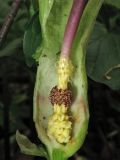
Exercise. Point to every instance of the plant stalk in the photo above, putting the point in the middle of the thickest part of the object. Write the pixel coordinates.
(72, 26)
(9, 20)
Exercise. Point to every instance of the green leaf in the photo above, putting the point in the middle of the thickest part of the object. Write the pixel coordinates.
(87, 22)
(32, 39)
(53, 19)
(103, 57)
(35, 4)
(12, 44)
(4, 7)
(52, 33)
(11, 47)
(28, 147)
(58, 154)
(115, 3)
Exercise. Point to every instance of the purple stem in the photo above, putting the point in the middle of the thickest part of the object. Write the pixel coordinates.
(72, 26)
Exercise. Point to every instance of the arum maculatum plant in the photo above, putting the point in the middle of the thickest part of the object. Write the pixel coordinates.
(60, 96)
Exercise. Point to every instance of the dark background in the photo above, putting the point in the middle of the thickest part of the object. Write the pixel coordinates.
(16, 93)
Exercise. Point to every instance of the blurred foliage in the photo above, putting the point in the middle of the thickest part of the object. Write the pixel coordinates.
(32, 39)
(115, 3)
(15, 76)
(15, 36)
(103, 54)
(29, 148)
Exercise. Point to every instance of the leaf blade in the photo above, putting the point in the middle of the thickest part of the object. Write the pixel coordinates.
(115, 3)
(29, 148)
(104, 54)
